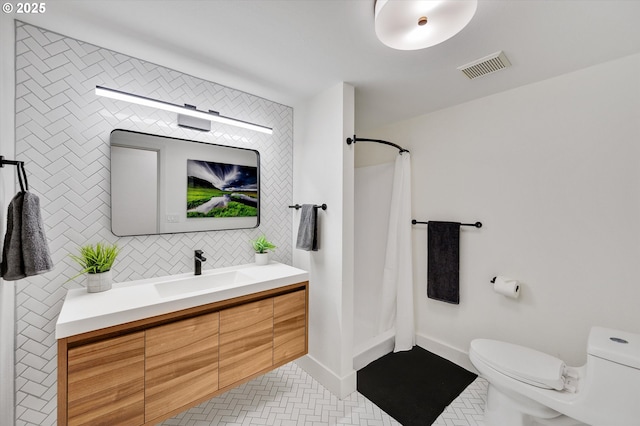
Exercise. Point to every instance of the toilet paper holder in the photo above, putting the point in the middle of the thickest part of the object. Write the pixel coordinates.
(493, 281)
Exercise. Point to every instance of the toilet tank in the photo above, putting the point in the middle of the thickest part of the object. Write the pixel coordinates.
(618, 346)
(610, 392)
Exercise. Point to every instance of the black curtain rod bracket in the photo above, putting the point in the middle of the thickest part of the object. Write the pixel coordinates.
(315, 206)
(396, 146)
(477, 224)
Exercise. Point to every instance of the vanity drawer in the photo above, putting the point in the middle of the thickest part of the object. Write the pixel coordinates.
(246, 341)
(106, 382)
(181, 364)
(289, 326)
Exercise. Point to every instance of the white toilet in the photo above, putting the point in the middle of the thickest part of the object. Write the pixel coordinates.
(527, 387)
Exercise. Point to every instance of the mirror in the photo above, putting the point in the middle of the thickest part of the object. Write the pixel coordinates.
(164, 185)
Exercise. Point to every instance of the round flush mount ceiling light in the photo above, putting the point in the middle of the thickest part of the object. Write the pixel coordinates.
(417, 24)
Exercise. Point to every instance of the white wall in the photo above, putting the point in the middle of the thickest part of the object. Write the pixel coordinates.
(552, 170)
(372, 154)
(7, 189)
(323, 173)
(134, 205)
(373, 187)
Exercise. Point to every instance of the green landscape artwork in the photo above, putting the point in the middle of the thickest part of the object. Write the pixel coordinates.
(221, 190)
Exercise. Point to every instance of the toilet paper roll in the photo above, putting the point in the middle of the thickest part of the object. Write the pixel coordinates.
(507, 287)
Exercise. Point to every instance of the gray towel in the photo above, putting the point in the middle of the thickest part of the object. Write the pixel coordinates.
(443, 259)
(26, 251)
(35, 249)
(12, 263)
(308, 229)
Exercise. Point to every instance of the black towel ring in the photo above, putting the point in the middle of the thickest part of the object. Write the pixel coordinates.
(24, 175)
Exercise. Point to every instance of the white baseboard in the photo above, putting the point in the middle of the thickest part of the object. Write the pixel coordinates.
(344, 386)
(455, 355)
(363, 357)
(339, 386)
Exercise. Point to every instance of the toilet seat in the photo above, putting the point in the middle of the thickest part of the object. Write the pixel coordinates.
(521, 363)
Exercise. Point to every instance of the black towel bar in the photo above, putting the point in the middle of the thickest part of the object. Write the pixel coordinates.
(477, 224)
(315, 206)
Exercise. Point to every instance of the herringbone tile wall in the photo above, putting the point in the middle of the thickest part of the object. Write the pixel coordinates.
(62, 134)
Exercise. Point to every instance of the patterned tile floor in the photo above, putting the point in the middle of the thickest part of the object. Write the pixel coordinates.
(288, 396)
(468, 408)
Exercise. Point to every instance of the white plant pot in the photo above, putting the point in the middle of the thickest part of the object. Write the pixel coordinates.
(99, 282)
(262, 258)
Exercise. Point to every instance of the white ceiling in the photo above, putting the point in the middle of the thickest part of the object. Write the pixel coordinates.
(289, 50)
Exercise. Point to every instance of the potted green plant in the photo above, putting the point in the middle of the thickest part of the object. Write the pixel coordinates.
(262, 246)
(96, 261)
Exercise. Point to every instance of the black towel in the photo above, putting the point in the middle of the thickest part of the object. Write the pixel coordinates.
(443, 261)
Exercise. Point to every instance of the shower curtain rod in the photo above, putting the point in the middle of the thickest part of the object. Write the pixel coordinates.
(355, 139)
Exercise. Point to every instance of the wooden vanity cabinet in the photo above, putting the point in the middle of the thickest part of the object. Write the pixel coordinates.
(143, 372)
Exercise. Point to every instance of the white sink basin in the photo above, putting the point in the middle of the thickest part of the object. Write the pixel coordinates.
(200, 283)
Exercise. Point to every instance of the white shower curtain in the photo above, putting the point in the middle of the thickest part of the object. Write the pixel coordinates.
(397, 280)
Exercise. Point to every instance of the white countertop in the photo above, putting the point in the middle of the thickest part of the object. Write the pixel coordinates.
(135, 300)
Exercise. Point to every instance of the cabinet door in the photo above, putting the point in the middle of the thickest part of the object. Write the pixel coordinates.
(106, 382)
(246, 341)
(181, 364)
(289, 327)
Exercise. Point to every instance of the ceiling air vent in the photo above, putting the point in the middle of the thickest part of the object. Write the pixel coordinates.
(487, 65)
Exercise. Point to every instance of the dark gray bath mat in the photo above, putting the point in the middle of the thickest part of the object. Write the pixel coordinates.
(413, 387)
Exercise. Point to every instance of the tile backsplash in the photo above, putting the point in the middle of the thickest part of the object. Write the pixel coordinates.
(62, 134)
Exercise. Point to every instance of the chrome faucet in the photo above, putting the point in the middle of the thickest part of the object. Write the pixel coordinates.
(199, 258)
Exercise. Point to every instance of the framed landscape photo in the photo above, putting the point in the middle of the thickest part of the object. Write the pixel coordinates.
(221, 190)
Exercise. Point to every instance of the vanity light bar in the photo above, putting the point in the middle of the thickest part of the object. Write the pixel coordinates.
(192, 112)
